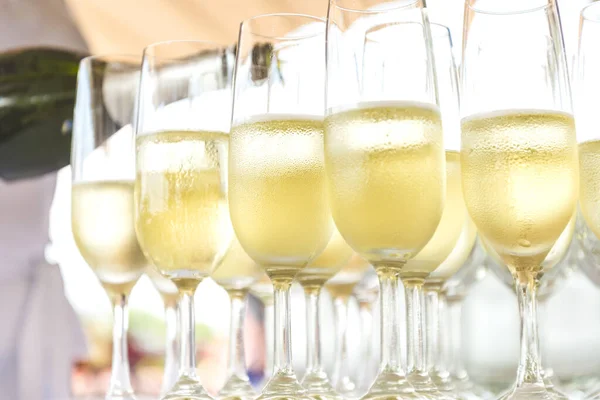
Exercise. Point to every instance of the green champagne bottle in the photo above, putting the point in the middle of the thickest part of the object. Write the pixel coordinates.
(37, 96)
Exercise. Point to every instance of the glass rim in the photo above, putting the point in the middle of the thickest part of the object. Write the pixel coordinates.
(181, 41)
(526, 10)
(109, 56)
(372, 11)
(441, 30)
(585, 11)
(248, 21)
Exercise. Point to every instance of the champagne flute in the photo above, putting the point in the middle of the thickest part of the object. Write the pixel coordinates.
(102, 193)
(312, 278)
(340, 287)
(168, 293)
(519, 150)
(236, 273)
(587, 80)
(278, 201)
(182, 218)
(384, 156)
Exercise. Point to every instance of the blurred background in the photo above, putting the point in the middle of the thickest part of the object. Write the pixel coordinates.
(570, 320)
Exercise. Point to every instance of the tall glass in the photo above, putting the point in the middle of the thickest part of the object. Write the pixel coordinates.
(384, 155)
(278, 201)
(182, 216)
(341, 287)
(519, 158)
(587, 100)
(168, 293)
(312, 278)
(236, 274)
(102, 193)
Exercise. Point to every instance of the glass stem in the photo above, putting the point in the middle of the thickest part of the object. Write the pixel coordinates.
(269, 315)
(187, 369)
(340, 368)
(282, 353)
(455, 356)
(391, 356)
(237, 362)
(414, 329)
(545, 372)
(433, 330)
(440, 354)
(171, 347)
(120, 382)
(313, 334)
(529, 364)
(365, 313)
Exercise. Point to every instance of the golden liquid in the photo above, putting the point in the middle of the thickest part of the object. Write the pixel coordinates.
(327, 264)
(182, 216)
(237, 271)
(386, 176)
(343, 283)
(166, 288)
(555, 255)
(103, 228)
(454, 237)
(589, 190)
(277, 193)
(520, 181)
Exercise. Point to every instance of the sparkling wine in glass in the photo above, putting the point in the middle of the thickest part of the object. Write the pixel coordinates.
(520, 166)
(102, 195)
(277, 195)
(182, 215)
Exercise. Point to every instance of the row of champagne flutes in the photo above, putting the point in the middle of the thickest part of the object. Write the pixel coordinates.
(383, 154)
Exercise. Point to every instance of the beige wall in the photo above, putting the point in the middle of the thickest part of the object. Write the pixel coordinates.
(127, 26)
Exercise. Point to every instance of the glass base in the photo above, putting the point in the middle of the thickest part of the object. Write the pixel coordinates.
(469, 390)
(532, 392)
(318, 387)
(424, 387)
(390, 386)
(593, 396)
(283, 386)
(323, 396)
(584, 387)
(444, 383)
(466, 395)
(237, 388)
(187, 388)
(347, 388)
(120, 396)
(435, 395)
